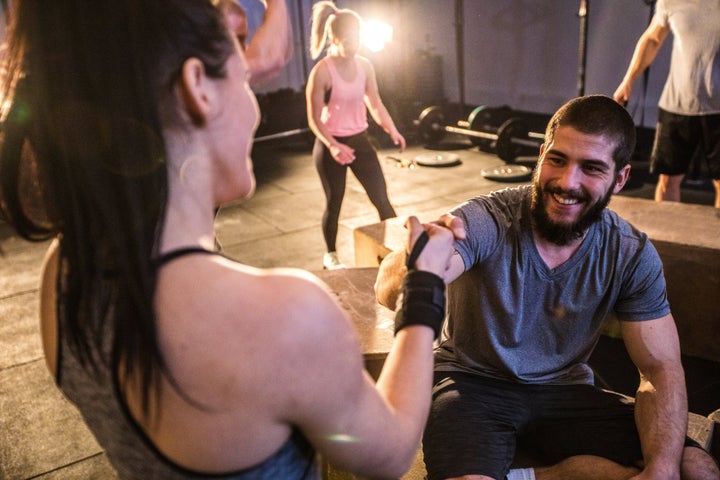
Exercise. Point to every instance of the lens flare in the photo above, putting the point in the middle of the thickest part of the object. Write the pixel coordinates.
(341, 438)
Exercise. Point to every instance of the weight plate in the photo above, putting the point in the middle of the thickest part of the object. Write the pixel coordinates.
(487, 120)
(473, 119)
(431, 123)
(513, 128)
(507, 173)
(437, 159)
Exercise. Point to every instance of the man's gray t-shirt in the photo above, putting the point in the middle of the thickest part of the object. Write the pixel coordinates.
(512, 317)
(693, 83)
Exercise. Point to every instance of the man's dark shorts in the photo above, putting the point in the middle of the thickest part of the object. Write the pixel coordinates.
(476, 423)
(677, 137)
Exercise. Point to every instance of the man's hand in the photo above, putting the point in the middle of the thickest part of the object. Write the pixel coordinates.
(623, 92)
(454, 224)
(435, 257)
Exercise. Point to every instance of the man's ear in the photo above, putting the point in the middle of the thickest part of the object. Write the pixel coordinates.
(621, 178)
(540, 155)
(193, 86)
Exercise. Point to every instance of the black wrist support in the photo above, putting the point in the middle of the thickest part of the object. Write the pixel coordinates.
(420, 243)
(423, 301)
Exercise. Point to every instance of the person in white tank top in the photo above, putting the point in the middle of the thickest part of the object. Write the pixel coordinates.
(689, 107)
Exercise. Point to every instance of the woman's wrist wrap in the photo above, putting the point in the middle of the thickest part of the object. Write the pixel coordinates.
(423, 301)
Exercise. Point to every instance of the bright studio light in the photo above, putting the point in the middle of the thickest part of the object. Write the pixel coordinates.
(376, 34)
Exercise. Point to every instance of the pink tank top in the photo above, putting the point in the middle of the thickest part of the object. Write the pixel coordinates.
(345, 114)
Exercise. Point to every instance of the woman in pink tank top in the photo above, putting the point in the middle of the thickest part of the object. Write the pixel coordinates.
(341, 89)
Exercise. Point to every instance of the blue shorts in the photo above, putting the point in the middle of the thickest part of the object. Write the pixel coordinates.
(678, 137)
(476, 424)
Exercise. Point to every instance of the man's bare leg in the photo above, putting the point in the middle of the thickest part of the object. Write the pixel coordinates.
(580, 467)
(668, 188)
(697, 464)
(586, 467)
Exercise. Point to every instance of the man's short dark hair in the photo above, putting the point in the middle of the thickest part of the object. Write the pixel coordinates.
(597, 115)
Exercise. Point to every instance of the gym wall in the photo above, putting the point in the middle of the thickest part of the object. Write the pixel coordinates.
(521, 53)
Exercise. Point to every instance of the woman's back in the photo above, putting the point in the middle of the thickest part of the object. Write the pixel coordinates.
(206, 424)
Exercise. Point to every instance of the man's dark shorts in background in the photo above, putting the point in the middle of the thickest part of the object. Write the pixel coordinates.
(677, 137)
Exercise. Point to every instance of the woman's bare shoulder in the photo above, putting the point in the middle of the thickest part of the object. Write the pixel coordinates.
(319, 75)
(253, 324)
(281, 307)
(365, 63)
(287, 288)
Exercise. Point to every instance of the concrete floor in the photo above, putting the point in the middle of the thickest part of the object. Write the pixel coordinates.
(42, 436)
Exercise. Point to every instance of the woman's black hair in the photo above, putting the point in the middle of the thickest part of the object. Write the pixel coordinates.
(87, 87)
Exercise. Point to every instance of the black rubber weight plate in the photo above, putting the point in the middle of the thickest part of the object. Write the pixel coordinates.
(507, 173)
(438, 159)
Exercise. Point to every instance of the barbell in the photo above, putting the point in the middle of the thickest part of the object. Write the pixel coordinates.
(275, 136)
(509, 138)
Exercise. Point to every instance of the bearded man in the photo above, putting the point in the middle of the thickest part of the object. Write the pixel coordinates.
(536, 271)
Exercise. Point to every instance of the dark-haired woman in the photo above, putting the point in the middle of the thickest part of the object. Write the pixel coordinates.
(126, 119)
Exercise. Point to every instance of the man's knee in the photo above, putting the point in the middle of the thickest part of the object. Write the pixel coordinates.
(583, 467)
(697, 464)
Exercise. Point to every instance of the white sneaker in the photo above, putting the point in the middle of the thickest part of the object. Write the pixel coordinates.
(331, 261)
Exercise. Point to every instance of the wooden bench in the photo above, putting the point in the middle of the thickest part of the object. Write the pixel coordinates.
(375, 324)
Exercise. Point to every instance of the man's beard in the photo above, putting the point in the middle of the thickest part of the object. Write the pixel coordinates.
(559, 233)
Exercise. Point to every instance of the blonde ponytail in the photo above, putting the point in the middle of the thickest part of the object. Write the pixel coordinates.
(321, 12)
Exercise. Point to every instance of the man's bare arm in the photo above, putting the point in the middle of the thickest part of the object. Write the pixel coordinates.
(392, 269)
(271, 46)
(661, 400)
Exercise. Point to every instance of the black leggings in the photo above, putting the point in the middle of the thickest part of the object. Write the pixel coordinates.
(366, 169)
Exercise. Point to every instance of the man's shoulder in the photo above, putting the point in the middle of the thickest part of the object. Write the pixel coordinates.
(615, 230)
(512, 194)
(612, 220)
(506, 198)
(495, 215)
